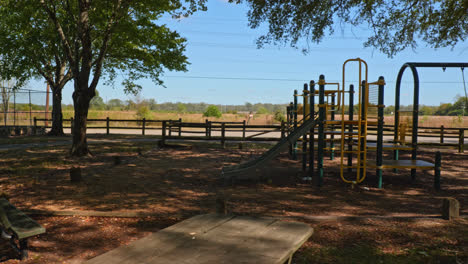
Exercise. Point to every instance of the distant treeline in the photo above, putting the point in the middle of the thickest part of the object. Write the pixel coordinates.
(458, 108)
(97, 103)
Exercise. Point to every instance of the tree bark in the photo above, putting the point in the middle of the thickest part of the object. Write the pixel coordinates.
(57, 117)
(81, 105)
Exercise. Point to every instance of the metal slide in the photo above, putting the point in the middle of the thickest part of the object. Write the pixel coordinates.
(229, 172)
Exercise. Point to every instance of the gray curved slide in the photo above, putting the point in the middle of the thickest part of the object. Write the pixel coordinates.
(229, 172)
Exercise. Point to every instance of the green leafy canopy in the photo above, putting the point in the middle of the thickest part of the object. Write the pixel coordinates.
(395, 25)
(138, 47)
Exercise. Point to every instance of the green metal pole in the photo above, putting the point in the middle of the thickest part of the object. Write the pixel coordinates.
(351, 117)
(363, 117)
(290, 124)
(321, 134)
(380, 122)
(414, 136)
(304, 137)
(332, 137)
(396, 124)
(312, 130)
(294, 156)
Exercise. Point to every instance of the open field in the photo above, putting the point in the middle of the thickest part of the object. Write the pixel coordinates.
(160, 187)
(260, 119)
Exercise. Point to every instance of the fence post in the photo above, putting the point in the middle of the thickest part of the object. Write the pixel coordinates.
(35, 126)
(107, 125)
(163, 133)
(14, 110)
(30, 107)
(282, 129)
(461, 140)
(243, 130)
(206, 127)
(223, 133)
(72, 124)
(442, 134)
(437, 165)
(180, 127)
(170, 127)
(209, 129)
(143, 126)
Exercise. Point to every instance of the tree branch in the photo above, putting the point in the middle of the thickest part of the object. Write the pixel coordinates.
(53, 16)
(45, 75)
(105, 44)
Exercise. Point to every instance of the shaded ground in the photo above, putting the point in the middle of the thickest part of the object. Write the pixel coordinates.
(175, 183)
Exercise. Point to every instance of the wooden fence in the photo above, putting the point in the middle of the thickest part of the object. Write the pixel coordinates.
(171, 129)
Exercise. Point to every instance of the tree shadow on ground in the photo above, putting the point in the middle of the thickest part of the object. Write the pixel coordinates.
(173, 184)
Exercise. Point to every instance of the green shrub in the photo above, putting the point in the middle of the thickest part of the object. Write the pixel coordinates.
(279, 116)
(144, 112)
(181, 108)
(212, 111)
(262, 111)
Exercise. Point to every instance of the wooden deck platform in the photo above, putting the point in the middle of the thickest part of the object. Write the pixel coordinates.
(348, 122)
(403, 164)
(388, 146)
(339, 132)
(213, 238)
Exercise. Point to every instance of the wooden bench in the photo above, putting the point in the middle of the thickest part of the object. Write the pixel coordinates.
(215, 238)
(17, 227)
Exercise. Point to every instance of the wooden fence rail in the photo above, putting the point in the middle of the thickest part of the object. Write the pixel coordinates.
(205, 130)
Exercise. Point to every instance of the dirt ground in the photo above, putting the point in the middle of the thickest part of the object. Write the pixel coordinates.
(166, 185)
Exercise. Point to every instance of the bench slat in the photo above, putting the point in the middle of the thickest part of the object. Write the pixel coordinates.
(21, 224)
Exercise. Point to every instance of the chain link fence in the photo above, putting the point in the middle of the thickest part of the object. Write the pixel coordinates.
(18, 108)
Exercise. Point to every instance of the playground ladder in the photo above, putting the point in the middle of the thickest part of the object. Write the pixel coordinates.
(351, 138)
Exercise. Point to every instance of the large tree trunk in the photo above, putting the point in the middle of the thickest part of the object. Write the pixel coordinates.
(81, 105)
(57, 117)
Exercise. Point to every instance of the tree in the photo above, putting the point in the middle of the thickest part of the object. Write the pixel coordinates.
(262, 110)
(181, 108)
(212, 111)
(109, 37)
(443, 109)
(143, 111)
(395, 25)
(97, 102)
(115, 104)
(35, 50)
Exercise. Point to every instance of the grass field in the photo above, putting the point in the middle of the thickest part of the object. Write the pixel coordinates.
(398, 224)
(258, 119)
(263, 119)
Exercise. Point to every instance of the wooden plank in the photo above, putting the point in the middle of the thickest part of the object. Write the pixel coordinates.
(224, 244)
(149, 247)
(348, 122)
(214, 239)
(21, 224)
(373, 146)
(278, 241)
(403, 164)
(339, 133)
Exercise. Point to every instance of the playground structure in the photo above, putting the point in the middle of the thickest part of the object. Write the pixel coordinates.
(319, 124)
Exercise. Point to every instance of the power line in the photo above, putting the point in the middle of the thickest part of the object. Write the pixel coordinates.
(287, 79)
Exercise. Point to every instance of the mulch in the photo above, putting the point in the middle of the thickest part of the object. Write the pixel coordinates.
(171, 184)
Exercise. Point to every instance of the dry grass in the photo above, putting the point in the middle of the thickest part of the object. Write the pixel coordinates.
(266, 119)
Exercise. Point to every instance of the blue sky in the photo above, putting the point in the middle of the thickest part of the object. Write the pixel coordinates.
(227, 68)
